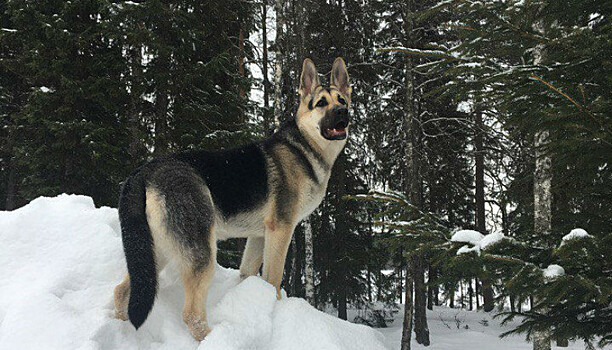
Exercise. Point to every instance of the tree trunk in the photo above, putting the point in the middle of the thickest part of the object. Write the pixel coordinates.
(412, 186)
(451, 302)
(477, 292)
(430, 282)
(542, 194)
(264, 68)
(470, 295)
(136, 149)
(309, 262)
(278, 64)
(11, 182)
(542, 211)
(240, 61)
(421, 329)
(487, 290)
(407, 327)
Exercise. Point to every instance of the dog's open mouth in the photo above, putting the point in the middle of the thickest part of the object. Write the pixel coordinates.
(338, 132)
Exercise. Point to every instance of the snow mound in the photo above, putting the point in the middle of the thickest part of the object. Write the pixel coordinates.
(576, 233)
(476, 239)
(61, 257)
(553, 271)
(467, 236)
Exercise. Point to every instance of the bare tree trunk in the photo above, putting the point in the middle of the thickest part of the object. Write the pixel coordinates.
(11, 183)
(421, 329)
(542, 211)
(451, 303)
(240, 62)
(542, 193)
(477, 292)
(410, 174)
(430, 287)
(264, 68)
(470, 295)
(278, 64)
(137, 150)
(161, 122)
(407, 328)
(309, 262)
(487, 290)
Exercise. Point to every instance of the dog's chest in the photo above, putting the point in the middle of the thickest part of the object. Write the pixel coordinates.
(311, 197)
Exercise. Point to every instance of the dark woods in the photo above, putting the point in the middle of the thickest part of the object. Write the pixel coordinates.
(465, 107)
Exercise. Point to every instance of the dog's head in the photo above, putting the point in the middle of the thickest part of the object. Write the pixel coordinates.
(323, 114)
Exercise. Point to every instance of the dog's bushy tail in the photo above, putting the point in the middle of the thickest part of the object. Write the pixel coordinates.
(138, 248)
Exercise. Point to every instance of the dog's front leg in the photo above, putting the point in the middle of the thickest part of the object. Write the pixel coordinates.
(277, 239)
(252, 257)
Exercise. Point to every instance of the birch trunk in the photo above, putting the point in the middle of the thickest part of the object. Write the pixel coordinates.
(542, 211)
(309, 263)
(278, 64)
(264, 68)
(542, 194)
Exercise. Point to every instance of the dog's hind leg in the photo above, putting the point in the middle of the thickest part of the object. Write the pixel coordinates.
(122, 290)
(252, 257)
(122, 297)
(196, 283)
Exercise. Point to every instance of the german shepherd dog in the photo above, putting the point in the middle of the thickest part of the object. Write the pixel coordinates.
(177, 207)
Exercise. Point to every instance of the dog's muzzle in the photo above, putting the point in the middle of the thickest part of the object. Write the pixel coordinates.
(335, 123)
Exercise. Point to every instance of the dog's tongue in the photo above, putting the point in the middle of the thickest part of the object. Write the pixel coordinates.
(335, 132)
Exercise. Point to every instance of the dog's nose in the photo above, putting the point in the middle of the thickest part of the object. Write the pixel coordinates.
(341, 112)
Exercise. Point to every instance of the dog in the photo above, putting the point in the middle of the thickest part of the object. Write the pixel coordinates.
(176, 207)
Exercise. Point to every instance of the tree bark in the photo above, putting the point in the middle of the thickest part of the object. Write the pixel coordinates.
(137, 150)
(407, 327)
(487, 290)
(542, 211)
(542, 194)
(11, 182)
(477, 292)
(430, 285)
(309, 262)
(278, 64)
(470, 295)
(266, 83)
(421, 329)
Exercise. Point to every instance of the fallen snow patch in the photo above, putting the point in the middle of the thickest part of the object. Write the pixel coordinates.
(61, 257)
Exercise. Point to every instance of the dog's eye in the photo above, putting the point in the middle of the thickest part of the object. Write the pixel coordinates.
(341, 100)
(322, 103)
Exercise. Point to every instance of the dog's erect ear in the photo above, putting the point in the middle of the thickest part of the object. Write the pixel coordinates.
(309, 80)
(339, 77)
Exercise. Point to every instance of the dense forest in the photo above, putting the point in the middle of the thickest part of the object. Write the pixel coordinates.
(488, 118)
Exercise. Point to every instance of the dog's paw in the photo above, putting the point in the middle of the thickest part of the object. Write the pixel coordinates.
(199, 328)
(121, 315)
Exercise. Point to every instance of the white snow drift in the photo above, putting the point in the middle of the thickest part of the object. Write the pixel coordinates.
(61, 257)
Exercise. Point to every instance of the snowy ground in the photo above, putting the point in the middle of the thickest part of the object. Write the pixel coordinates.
(445, 335)
(61, 257)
